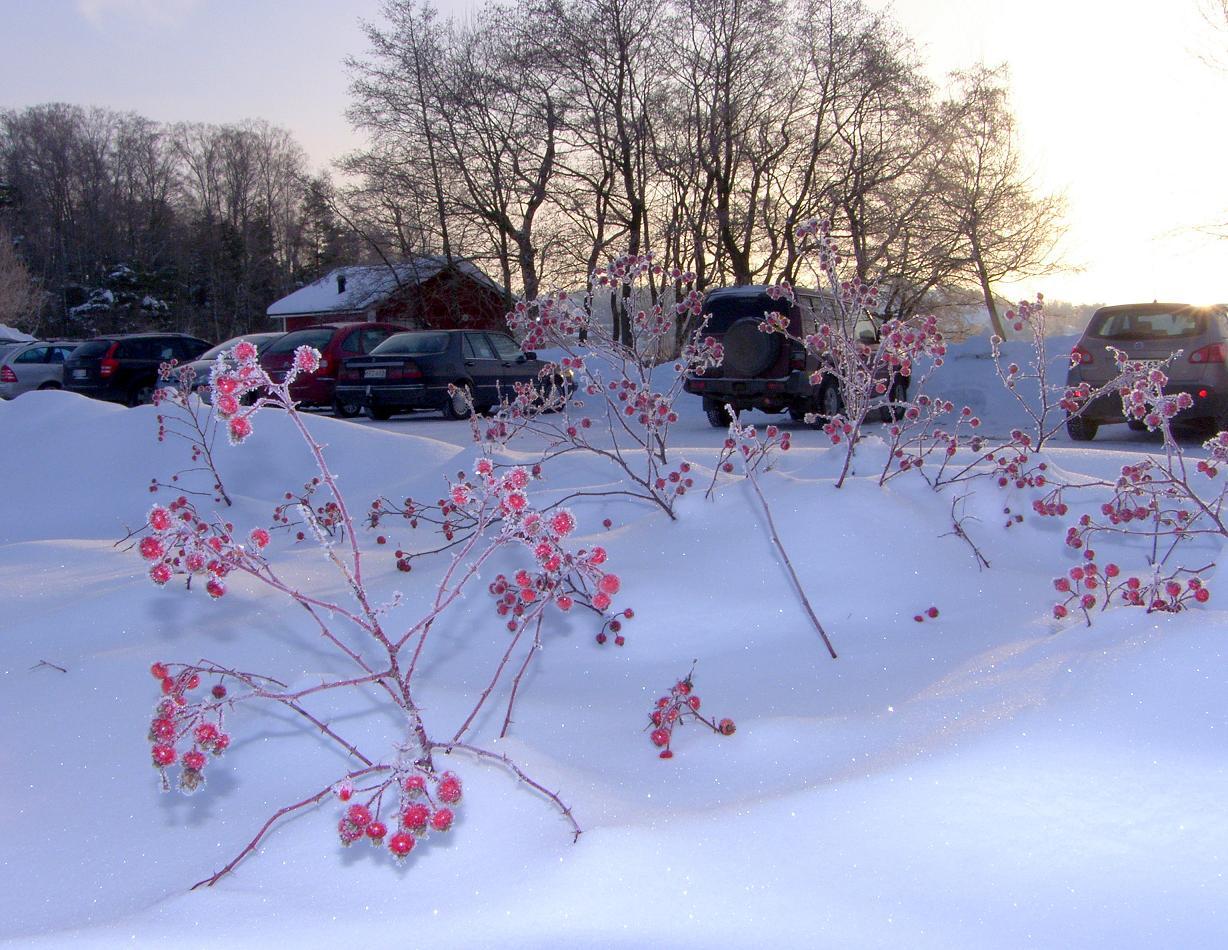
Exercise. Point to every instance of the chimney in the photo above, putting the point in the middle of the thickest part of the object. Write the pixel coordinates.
(341, 283)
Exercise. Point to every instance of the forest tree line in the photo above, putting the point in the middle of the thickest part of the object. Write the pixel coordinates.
(539, 138)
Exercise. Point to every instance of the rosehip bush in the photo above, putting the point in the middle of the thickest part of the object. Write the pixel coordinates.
(680, 705)
(397, 797)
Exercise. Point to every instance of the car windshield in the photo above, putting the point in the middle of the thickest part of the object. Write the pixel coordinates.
(292, 341)
(262, 340)
(412, 344)
(1148, 324)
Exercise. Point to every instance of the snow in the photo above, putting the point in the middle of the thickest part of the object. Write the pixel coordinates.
(12, 335)
(985, 778)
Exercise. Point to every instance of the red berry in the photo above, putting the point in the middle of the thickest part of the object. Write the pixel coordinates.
(376, 831)
(442, 819)
(932, 613)
(415, 785)
(158, 671)
(358, 815)
(219, 691)
(401, 844)
(1202, 595)
(726, 727)
(194, 760)
(659, 737)
(416, 816)
(449, 789)
(163, 755)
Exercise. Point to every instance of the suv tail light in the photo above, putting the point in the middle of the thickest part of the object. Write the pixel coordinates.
(324, 364)
(7, 375)
(1082, 356)
(109, 363)
(797, 357)
(1212, 353)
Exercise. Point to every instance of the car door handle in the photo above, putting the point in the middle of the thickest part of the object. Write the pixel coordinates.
(470, 362)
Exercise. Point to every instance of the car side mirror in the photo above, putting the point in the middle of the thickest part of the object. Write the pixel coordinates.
(527, 355)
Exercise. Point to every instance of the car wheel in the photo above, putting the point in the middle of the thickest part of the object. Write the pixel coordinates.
(896, 395)
(379, 413)
(459, 405)
(718, 415)
(1080, 429)
(141, 394)
(49, 386)
(798, 413)
(1136, 425)
(346, 409)
(830, 401)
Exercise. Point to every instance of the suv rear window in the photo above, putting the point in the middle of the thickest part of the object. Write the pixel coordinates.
(92, 348)
(1148, 324)
(725, 310)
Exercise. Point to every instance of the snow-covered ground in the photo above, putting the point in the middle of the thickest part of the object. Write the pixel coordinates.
(988, 778)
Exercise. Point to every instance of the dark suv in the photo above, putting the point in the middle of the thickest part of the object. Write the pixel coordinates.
(125, 368)
(766, 371)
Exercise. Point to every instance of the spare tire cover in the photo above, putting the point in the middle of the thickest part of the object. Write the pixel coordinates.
(748, 350)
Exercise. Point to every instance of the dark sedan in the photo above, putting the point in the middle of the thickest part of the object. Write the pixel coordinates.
(414, 370)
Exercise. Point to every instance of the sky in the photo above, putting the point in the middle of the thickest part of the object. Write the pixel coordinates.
(1117, 108)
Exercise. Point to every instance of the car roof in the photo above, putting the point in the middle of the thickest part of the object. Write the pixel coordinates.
(1156, 307)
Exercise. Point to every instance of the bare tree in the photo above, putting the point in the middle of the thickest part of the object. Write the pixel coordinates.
(20, 296)
(1006, 229)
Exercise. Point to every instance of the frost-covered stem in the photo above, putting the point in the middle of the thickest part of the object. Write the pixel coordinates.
(266, 575)
(494, 681)
(784, 557)
(533, 648)
(957, 529)
(848, 460)
(274, 818)
(202, 437)
(290, 701)
(520, 774)
(445, 596)
(354, 575)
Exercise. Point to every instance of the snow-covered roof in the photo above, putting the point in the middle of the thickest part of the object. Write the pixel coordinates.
(11, 335)
(366, 286)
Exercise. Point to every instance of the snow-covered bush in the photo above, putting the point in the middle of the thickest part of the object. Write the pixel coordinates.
(629, 398)
(394, 796)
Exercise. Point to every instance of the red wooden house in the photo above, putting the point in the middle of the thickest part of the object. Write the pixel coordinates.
(426, 291)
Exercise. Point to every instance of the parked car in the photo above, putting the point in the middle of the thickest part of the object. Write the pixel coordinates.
(336, 342)
(414, 370)
(125, 368)
(766, 371)
(1195, 337)
(202, 366)
(36, 365)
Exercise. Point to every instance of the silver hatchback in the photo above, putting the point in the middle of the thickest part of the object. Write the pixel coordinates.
(34, 365)
(1196, 338)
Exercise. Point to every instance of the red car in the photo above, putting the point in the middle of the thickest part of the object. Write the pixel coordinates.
(336, 342)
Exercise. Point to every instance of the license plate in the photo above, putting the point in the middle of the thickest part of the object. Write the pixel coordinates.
(375, 374)
(78, 374)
